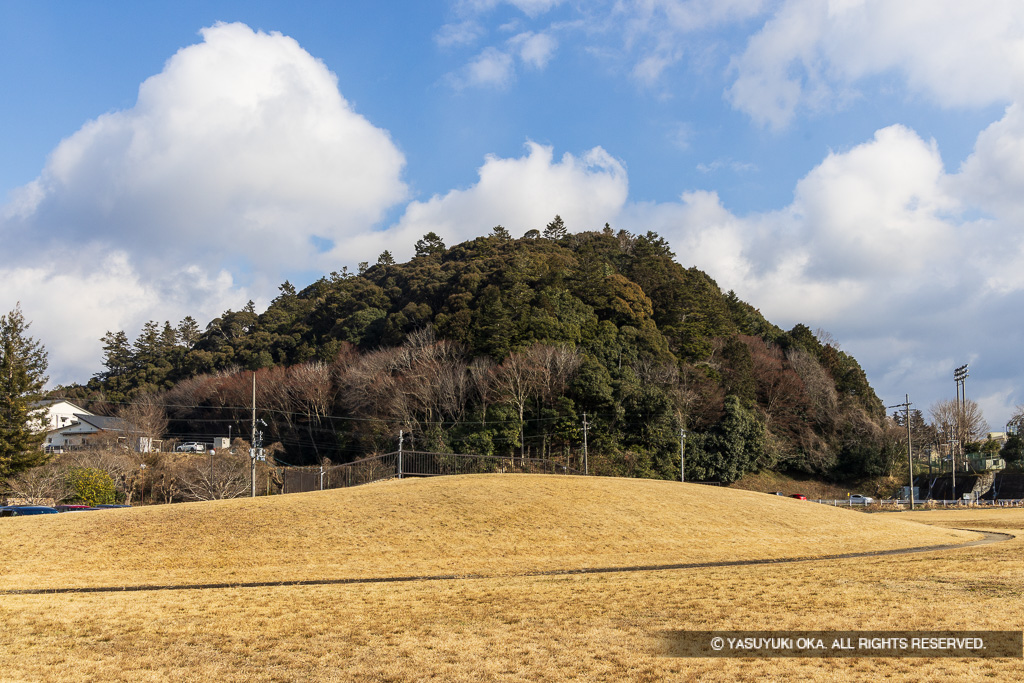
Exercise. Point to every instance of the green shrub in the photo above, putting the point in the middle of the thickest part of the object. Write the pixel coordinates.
(91, 486)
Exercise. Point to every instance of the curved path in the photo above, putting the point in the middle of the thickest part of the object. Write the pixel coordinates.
(989, 537)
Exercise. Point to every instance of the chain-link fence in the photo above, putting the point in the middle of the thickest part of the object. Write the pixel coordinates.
(410, 464)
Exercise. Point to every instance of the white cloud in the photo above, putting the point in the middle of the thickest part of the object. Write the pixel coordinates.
(496, 68)
(531, 8)
(878, 208)
(491, 68)
(993, 176)
(521, 194)
(731, 165)
(241, 154)
(882, 247)
(460, 34)
(78, 294)
(811, 53)
(535, 49)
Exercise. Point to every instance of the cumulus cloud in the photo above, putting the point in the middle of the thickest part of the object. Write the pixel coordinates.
(811, 54)
(887, 249)
(240, 155)
(993, 176)
(521, 194)
(78, 293)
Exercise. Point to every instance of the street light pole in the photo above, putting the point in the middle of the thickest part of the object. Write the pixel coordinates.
(682, 455)
(586, 461)
(142, 500)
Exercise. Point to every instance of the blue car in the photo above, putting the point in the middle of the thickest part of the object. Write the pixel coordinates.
(19, 510)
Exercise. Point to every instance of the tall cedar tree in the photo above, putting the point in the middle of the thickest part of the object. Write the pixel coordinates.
(22, 376)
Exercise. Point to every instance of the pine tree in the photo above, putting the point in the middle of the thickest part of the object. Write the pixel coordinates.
(556, 229)
(22, 376)
(430, 245)
(188, 331)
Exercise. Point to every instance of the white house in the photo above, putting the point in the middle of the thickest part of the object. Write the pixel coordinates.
(55, 413)
(88, 427)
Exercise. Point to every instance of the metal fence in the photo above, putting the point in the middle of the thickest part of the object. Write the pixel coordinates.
(397, 465)
(929, 502)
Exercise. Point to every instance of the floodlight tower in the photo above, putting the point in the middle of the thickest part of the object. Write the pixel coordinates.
(960, 376)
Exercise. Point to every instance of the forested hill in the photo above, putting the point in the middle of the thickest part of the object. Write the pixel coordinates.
(500, 345)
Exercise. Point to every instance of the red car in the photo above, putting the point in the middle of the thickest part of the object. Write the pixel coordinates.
(799, 496)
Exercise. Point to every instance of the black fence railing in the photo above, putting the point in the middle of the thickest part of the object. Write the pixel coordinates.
(410, 464)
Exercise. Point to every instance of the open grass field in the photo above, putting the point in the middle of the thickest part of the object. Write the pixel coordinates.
(506, 622)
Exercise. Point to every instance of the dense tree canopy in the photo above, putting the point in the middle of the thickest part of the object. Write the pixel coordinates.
(500, 345)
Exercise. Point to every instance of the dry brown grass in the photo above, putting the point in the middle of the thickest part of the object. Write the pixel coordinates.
(484, 524)
(511, 627)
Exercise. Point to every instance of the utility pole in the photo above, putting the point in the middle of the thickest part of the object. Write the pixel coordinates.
(252, 442)
(586, 464)
(401, 437)
(910, 458)
(682, 455)
(952, 458)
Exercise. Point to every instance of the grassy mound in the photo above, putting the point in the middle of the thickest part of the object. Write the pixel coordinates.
(481, 524)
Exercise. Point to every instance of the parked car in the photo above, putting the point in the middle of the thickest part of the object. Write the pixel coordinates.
(73, 508)
(108, 506)
(21, 510)
(778, 493)
(191, 447)
(799, 496)
(857, 499)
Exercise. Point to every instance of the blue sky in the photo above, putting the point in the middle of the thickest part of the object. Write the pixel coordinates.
(855, 165)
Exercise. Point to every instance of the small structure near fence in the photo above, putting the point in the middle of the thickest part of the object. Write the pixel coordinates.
(400, 464)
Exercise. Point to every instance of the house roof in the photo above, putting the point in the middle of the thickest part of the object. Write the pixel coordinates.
(103, 423)
(45, 402)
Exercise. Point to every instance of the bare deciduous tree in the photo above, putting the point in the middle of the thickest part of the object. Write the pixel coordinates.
(214, 477)
(145, 421)
(39, 485)
(516, 382)
(819, 387)
(966, 420)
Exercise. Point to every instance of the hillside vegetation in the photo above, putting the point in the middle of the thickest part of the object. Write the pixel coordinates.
(507, 346)
(500, 525)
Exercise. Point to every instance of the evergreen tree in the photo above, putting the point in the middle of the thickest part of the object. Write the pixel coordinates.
(556, 229)
(22, 376)
(188, 332)
(430, 245)
(117, 354)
